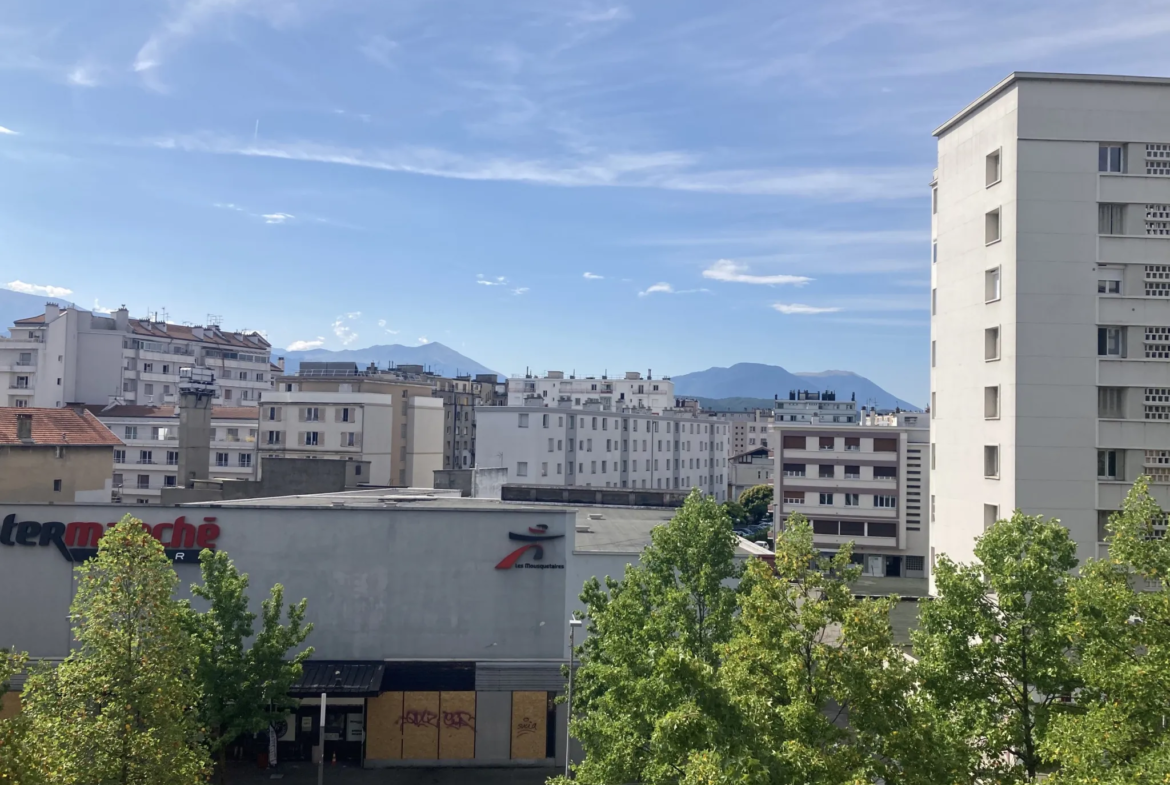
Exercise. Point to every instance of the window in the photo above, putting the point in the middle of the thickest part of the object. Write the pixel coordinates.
(934, 252)
(852, 444)
(826, 499)
(593, 467)
(274, 437)
(991, 403)
(273, 414)
(145, 456)
(312, 414)
(1108, 287)
(543, 469)
(933, 351)
(1110, 465)
(885, 472)
(522, 420)
(794, 442)
(117, 480)
(148, 367)
(991, 227)
(244, 460)
(131, 431)
(934, 200)
(148, 389)
(934, 302)
(991, 285)
(1111, 341)
(991, 461)
(222, 458)
(56, 486)
(826, 442)
(172, 457)
(227, 395)
(932, 508)
(1109, 158)
(852, 500)
(794, 497)
(522, 466)
(143, 481)
(345, 414)
(885, 502)
(1109, 218)
(991, 343)
(544, 420)
(990, 515)
(1111, 402)
(885, 445)
(311, 438)
(852, 472)
(826, 471)
(994, 175)
(119, 456)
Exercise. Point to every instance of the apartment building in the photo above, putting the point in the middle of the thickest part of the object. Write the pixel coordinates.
(598, 447)
(1050, 325)
(864, 485)
(749, 429)
(55, 455)
(462, 396)
(148, 458)
(814, 407)
(68, 355)
(554, 389)
(749, 469)
(332, 410)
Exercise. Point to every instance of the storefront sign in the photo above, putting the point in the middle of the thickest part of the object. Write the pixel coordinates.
(533, 539)
(78, 540)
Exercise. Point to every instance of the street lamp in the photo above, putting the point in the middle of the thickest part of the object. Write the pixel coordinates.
(573, 625)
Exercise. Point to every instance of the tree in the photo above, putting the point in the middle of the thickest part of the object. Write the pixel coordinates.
(755, 501)
(120, 709)
(244, 687)
(819, 690)
(1121, 634)
(736, 514)
(644, 697)
(993, 649)
(17, 763)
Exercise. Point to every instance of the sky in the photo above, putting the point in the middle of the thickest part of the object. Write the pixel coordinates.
(545, 184)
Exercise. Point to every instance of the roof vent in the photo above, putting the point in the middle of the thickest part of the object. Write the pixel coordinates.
(583, 529)
(596, 516)
(24, 427)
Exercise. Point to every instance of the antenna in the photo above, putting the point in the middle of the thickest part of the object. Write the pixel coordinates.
(213, 320)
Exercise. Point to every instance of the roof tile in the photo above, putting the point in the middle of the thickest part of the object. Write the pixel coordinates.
(75, 426)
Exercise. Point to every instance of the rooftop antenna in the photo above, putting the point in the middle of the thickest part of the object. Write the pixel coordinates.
(213, 320)
(165, 314)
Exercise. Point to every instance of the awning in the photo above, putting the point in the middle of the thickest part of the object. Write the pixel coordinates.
(339, 677)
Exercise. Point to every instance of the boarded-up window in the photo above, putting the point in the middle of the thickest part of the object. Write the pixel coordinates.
(885, 445)
(384, 727)
(852, 529)
(794, 442)
(457, 726)
(529, 725)
(420, 726)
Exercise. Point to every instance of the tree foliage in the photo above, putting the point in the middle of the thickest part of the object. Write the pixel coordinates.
(1121, 633)
(993, 652)
(736, 514)
(245, 687)
(17, 761)
(755, 501)
(120, 710)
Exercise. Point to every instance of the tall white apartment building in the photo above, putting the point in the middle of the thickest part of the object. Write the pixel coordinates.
(1050, 303)
(148, 461)
(554, 389)
(610, 448)
(67, 355)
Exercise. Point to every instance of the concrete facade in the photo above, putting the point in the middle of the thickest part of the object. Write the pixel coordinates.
(555, 389)
(70, 473)
(748, 469)
(1050, 315)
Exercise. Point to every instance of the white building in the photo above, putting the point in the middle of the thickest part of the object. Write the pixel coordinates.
(149, 459)
(749, 469)
(1050, 328)
(814, 408)
(597, 447)
(67, 355)
(864, 485)
(554, 389)
(359, 426)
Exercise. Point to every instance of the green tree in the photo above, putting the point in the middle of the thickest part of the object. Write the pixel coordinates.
(755, 501)
(820, 691)
(17, 764)
(993, 649)
(120, 710)
(736, 514)
(1121, 634)
(644, 697)
(244, 687)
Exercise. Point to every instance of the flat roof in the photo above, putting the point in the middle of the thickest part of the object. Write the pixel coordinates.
(1041, 76)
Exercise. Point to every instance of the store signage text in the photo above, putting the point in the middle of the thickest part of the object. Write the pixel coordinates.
(533, 538)
(78, 540)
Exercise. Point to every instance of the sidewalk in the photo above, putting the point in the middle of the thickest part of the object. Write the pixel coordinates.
(306, 774)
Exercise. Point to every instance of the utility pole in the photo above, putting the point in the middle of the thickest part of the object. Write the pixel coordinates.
(321, 742)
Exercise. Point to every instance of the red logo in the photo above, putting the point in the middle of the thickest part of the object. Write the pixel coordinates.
(533, 539)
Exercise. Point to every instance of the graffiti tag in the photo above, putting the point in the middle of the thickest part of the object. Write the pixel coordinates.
(526, 726)
(420, 718)
(458, 720)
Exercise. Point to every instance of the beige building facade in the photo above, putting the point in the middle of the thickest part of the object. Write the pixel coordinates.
(55, 455)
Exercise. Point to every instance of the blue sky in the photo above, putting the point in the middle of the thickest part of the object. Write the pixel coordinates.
(535, 183)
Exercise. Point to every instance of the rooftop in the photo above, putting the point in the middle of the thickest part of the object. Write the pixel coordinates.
(159, 412)
(149, 328)
(52, 427)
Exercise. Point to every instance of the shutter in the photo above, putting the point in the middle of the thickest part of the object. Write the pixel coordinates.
(301, 438)
(357, 439)
(301, 415)
(279, 413)
(1101, 332)
(509, 676)
(337, 415)
(342, 442)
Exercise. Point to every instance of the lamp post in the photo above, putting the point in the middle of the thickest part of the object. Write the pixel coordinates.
(573, 625)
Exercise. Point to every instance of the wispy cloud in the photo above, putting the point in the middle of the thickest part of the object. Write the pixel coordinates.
(343, 331)
(379, 49)
(46, 290)
(301, 346)
(97, 307)
(424, 339)
(228, 206)
(593, 277)
(593, 16)
(382, 324)
(353, 315)
(667, 170)
(736, 272)
(83, 76)
(665, 288)
(483, 280)
(277, 218)
(8, 131)
(800, 308)
(520, 290)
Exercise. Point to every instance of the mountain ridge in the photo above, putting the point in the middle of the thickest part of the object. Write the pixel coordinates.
(760, 381)
(435, 356)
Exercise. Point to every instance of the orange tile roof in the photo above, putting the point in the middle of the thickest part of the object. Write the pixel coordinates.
(157, 412)
(32, 320)
(56, 426)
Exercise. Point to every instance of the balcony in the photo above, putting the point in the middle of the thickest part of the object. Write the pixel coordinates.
(1135, 372)
(1119, 188)
(839, 456)
(1137, 311)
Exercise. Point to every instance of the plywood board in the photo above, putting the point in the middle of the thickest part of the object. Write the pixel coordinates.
(420, 725)
(384, 727)
(457, 726)
(529, 725)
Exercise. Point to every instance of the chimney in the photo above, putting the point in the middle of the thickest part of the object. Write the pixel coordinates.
(24, 427)
(122, 319)
(280, 362)
(52, 311)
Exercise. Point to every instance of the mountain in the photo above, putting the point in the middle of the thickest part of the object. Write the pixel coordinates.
(436, 357)
(17, 305)
(755, 380)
